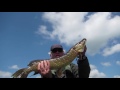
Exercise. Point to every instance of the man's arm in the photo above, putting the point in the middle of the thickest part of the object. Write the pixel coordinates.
(82, 70)
(83, 67)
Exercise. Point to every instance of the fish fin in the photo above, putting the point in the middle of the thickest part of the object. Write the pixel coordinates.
(20, 73)
(24, 75)
(33, 61)
(17, 73)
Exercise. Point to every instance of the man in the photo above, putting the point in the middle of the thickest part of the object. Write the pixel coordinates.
(82, 70)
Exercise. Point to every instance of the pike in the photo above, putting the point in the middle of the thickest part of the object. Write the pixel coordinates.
(55, 64)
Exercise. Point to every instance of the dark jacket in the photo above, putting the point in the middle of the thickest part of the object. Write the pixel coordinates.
(81, 70)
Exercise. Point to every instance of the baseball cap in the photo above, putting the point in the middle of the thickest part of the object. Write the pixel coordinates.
(56, 46)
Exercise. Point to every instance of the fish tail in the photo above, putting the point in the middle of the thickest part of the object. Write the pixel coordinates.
(20, 73)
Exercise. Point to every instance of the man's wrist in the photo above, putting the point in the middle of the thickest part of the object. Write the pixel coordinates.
(82, 57)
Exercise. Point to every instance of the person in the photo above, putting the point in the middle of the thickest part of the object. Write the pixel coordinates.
(79, 70)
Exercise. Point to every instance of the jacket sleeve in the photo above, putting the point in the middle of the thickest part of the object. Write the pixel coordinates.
(83, 68)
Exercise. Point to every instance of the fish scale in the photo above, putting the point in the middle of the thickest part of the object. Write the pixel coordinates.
(56, 63)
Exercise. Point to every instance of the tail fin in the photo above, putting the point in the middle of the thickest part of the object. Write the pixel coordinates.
(20, 73)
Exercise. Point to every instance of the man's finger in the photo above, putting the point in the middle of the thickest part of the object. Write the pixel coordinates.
(48, 64)
(45, 65)
(41, 65)
(38, 66)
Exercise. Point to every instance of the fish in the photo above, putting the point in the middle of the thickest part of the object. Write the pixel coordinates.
(55, 64)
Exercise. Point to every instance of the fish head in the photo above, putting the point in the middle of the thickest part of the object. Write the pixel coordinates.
(79, 47)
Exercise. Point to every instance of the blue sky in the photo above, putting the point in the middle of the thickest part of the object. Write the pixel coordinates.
(26, 36)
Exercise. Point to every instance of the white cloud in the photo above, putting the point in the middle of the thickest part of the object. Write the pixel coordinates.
(4, 74)
(95, 73)
(70, 27)
(114, 42)
(117, 76)
(106, 63)
(43, 30)
(14, 67)
(118, 62)
(111, 50)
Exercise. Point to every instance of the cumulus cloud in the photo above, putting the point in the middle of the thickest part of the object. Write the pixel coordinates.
(4, 74)
(95, 72)
(70, 27)
(106, 63)
(14, 67)
(118, 62)
(111, 50)
(117, 76)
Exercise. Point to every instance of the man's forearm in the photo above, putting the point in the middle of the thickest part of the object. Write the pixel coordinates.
(83, 68)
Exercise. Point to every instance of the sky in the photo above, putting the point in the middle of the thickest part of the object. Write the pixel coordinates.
(27, 36)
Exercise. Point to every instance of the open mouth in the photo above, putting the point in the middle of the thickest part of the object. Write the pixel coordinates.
(57, 55)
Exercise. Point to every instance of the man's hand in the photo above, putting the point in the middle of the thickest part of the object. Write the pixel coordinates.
(44, 69)
(81, 54)
(85, 49)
